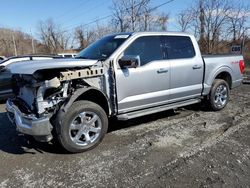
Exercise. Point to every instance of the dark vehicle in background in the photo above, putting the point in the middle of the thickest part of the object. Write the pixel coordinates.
(2, 58)
(5, 76)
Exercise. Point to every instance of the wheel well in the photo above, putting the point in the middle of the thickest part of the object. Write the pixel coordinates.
(225, 76)
(96, 97)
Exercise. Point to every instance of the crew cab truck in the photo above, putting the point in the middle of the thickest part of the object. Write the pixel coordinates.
(123, 75)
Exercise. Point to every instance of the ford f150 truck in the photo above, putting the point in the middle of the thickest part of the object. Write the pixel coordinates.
(124, 75)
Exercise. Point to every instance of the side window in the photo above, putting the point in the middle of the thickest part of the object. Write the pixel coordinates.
(148, 48)
(179, 47)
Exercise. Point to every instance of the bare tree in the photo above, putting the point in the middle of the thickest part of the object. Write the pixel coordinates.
(52, 36)
(129, 13)
(14, 42)
(145, 19)
(80, 37)
(185, 19)
(119, 16)
(84, 37)
(210, 18)
(202, 24)
(101, 30)
(6, 42)
(135, 9)
(238, 20)
(162, 21)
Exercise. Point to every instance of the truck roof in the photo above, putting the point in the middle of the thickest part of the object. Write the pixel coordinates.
(161, 33)
(143, 33)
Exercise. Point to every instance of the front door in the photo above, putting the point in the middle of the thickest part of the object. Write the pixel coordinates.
(148, 84)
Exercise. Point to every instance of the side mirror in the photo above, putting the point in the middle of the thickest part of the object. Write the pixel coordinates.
(129, 61)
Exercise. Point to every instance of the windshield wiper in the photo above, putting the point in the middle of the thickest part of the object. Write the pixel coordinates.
(81, 57)
(102, 59)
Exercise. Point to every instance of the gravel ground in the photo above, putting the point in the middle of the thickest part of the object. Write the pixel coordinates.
(191, 147)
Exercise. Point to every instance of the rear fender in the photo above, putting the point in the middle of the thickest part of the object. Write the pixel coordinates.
(210, 79)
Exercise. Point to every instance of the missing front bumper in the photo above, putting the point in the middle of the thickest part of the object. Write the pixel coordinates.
(29, 124)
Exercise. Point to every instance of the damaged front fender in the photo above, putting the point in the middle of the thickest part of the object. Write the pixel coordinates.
(88, 93)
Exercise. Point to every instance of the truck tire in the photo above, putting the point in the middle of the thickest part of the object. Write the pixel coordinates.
(219, 95)
(83, 127)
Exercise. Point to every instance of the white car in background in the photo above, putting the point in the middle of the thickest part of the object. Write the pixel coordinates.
(2, 58)
(14, 59)
(5, 75)
(67, 55)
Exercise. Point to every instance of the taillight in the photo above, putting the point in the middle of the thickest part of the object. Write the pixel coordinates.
(242, 66)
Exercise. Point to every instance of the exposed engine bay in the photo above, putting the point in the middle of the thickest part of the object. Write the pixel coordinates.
(42, 93)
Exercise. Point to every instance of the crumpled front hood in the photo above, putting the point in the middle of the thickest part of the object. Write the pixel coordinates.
(29, 67)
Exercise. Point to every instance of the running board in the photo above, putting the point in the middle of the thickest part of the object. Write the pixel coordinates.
(131, 115)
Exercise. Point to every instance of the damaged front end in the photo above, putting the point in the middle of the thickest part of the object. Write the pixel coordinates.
(38, 97)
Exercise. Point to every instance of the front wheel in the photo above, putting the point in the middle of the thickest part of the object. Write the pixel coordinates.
(83, 127)
(219, 95)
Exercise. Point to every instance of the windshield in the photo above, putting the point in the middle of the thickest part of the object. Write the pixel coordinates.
(102, 48)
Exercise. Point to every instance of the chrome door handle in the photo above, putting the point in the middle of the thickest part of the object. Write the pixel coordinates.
(196, 67)
(162, 71)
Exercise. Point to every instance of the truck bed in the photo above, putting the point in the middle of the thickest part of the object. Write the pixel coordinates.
(221, 63)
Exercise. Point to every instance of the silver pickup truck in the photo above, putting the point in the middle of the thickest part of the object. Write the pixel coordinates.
(124, 75)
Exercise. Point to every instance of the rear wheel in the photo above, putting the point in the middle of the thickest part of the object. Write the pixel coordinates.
(83, 127)
(219, 95)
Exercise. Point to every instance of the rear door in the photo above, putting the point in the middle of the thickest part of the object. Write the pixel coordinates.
(186, 68)
(147, 85)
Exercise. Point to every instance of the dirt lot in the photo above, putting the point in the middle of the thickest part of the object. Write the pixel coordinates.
(188, 148)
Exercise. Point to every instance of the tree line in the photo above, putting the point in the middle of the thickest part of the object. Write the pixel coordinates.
(215, 23)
